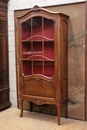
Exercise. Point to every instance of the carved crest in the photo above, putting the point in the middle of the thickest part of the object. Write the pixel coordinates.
(36, 8)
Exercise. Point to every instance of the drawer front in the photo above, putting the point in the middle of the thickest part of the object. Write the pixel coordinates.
(39, 87)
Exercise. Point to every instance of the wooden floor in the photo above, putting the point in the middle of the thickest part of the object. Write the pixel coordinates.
(10, 120)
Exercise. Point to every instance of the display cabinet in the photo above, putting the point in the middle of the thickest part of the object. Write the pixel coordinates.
(4, 72)
(43, 58)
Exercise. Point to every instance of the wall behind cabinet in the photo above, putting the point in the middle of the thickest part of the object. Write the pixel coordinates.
(76, 60)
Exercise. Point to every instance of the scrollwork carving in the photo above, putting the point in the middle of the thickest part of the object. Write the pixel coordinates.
(36, 8)
(37, 79)
(38, 102)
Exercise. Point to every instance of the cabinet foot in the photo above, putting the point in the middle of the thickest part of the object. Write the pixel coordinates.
(59, 123)
(58, 114)
(21, 108)
(21, 115)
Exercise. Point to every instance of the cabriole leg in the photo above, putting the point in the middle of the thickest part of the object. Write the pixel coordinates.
(58, 114)
(21, 108)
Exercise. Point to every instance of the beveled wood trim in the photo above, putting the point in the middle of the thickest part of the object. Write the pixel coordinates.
(36, 99)
(37, 77)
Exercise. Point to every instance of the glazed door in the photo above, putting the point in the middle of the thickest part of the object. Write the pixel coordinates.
(38, 56)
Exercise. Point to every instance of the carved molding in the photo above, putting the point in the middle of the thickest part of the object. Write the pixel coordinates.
(38, 102)
(38, 79)
(36, 8)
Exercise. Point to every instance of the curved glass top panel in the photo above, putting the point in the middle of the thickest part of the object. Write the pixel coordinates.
(38, 29)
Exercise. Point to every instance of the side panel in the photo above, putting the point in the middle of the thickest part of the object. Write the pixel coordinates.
(64, 57)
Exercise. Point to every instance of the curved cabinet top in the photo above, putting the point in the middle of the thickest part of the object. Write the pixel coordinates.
(38, 11)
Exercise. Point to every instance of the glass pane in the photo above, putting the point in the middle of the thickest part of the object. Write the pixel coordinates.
(37, 48)
(37, 28)
(26, 49)
(49, 28)
(26, 30)
(49, 49)
(37, 67)
(49, 68)
(27, 67)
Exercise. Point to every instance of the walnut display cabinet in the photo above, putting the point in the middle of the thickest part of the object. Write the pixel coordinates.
(43, 58)
(4, 74)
